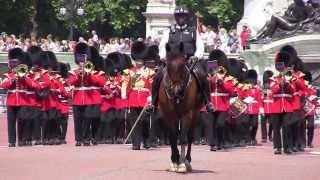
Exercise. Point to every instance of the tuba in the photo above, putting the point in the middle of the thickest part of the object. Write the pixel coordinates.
(21, 70)
(237, 107)
(88, 67)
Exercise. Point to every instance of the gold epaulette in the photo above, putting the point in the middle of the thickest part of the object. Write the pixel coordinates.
(126, 72)
(43, 71)
(72, 72)
(229, 78)
(100, 73)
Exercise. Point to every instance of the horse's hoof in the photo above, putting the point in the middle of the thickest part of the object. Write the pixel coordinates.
(188, 166)
(182, 168)
(173, 167)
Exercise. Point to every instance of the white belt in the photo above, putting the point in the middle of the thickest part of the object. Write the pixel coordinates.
(105, 96)
(20, 91)
(219, 94)
(64, 101)
(141, 89)
(282, 95)
(86, 88)
(268, 101)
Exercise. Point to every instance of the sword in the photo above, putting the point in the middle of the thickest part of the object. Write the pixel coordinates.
(136, 122)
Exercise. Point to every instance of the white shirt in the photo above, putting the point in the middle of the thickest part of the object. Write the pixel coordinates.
(164, 40)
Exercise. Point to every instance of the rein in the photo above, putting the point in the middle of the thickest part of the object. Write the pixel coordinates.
(176, 93)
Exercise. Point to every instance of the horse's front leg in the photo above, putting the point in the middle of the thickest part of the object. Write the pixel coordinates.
(188, 156)
(183, 141)
(173, 138)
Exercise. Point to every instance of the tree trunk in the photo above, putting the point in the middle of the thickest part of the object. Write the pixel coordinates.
(34, 31)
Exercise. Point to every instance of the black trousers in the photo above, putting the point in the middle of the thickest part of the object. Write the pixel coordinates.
(141, 131)
(12, 120)
(63, 126)
(36, 128)
(86, 129)
(78, 117)
(216, 127)
(250, 125)
(201, 128)
(265, 131)
(282, 122)
(306, 131)
(310, 129)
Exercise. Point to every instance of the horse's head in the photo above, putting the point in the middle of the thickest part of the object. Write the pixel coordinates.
(176, 61)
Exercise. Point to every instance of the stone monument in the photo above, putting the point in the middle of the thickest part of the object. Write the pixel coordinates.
(159, 17)
(258, 12)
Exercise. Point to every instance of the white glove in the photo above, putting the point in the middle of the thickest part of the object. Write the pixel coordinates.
(149, 99)
(287, 78)
(233, 99)
(261, 111)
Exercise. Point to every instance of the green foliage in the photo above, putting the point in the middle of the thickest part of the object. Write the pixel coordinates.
(119, 14)
(228, 12)
(109, 17)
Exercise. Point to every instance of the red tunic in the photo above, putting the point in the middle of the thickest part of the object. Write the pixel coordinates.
(220, 93)
(268, 101)
(139, 84)
(251, 95)
(87, 88)
(301, 89)
(110, 90)
(283, 97)
(20, 92)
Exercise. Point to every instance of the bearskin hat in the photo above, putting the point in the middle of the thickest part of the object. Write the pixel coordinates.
(285, 58)
(266, 76)
(308, 77)
(252, 74)
(113, 63)
(152, 57)
(109, 67)
(289, 49)
(91, 53)
(221, 57)
(64, 69)
(138, 50)
(53, 62)
(34, 53)
(234, 69)
(20, 55)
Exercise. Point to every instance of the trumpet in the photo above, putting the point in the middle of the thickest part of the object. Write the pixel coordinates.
(21, 70)
(88, 67)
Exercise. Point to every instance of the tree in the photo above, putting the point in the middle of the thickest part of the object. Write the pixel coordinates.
(120, 15)
(227, 12)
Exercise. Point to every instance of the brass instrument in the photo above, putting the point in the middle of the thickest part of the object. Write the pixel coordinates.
(221, 71)
(88, 67)
(287, 73)
(21, 70)
(237, 107)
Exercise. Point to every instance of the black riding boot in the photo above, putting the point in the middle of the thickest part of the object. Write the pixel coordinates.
(155, 88)
(204, 87)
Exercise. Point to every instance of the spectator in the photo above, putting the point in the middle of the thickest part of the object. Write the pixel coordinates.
(244, 37)
(95, 37)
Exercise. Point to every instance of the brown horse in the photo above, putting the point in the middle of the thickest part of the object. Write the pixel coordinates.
(179, 103)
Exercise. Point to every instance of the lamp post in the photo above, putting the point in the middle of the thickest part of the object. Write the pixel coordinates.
(71, 10)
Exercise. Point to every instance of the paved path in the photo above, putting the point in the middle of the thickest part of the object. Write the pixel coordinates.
(119, 162)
